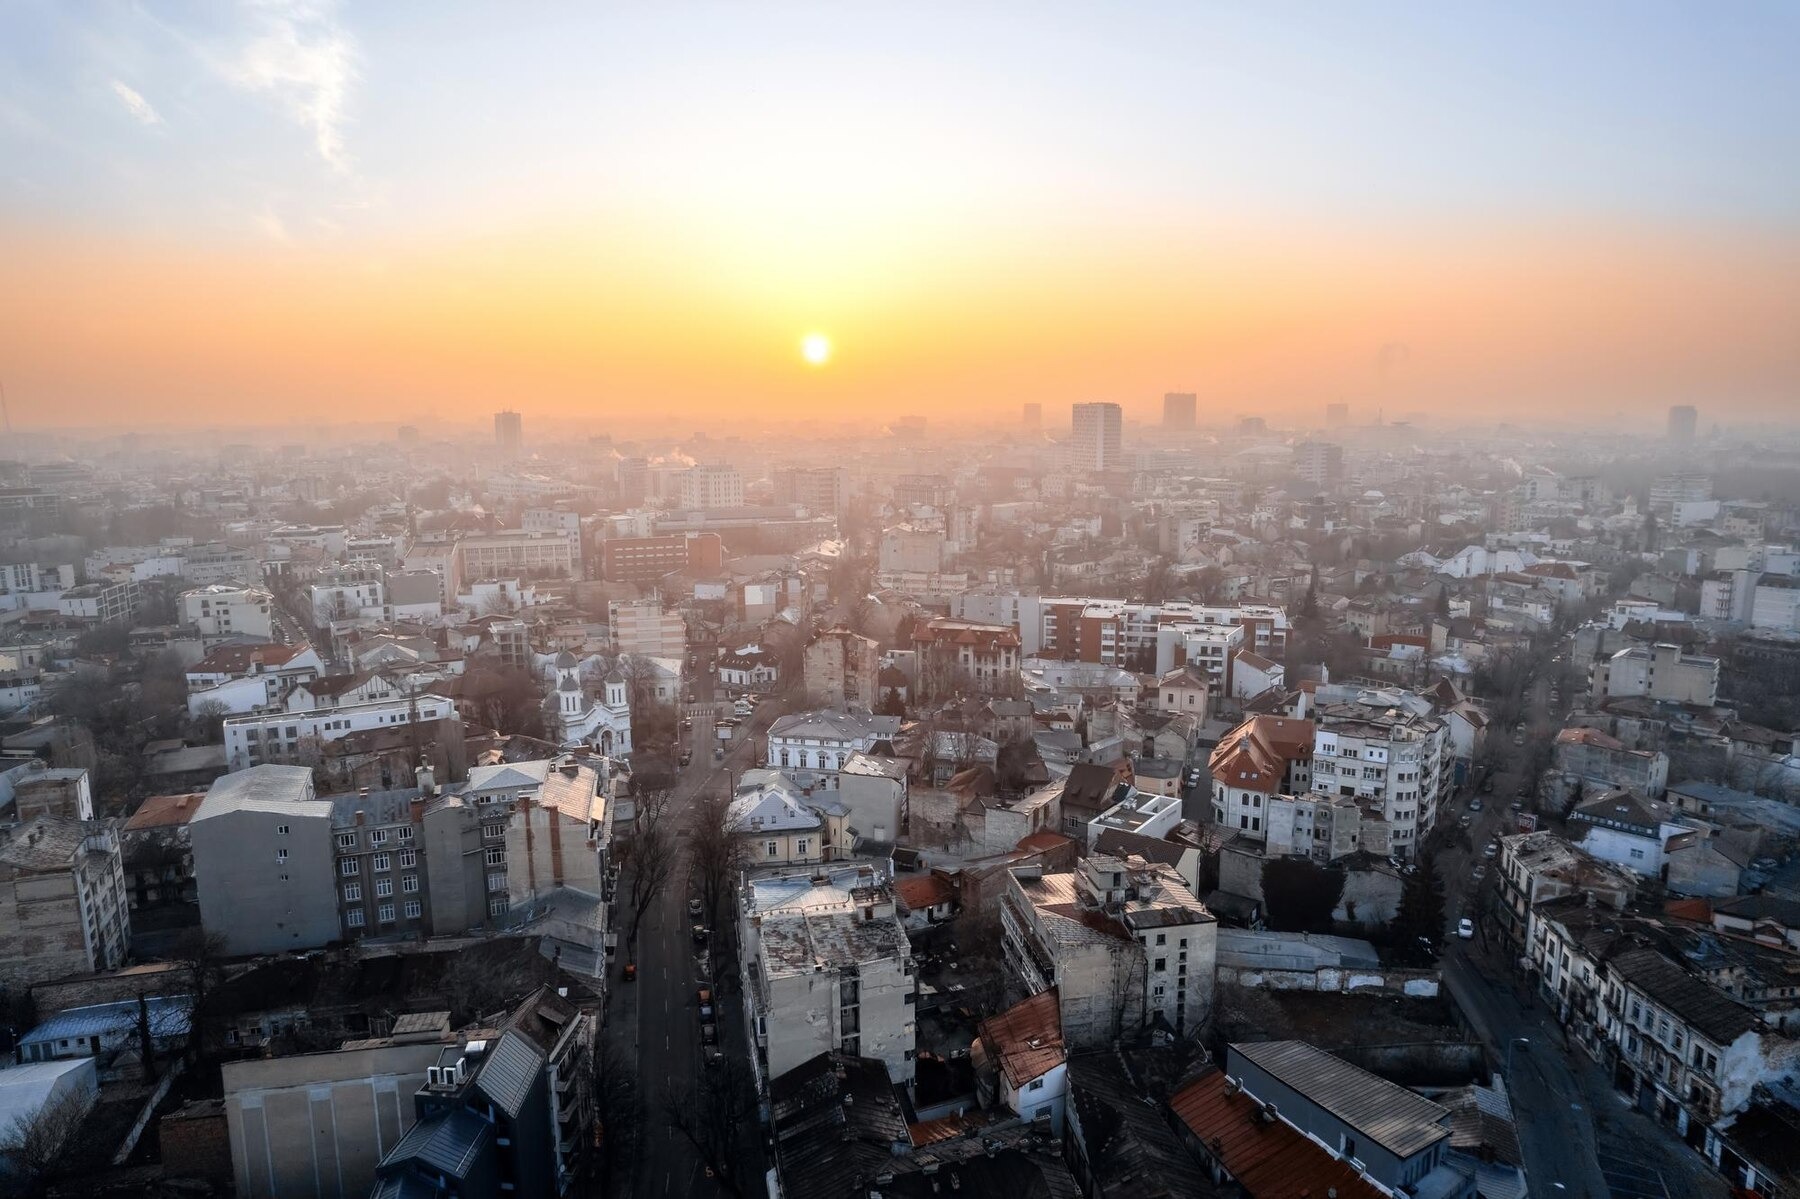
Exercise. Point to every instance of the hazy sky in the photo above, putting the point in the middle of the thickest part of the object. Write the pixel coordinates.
(210, 212)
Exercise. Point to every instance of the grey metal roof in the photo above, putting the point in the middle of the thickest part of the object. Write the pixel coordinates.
(169, 1017)
(1390, 1115)
(267, 788)
(450, 1145)
(513, 1065)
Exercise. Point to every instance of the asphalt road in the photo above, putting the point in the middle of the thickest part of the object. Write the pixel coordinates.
(659, 1028)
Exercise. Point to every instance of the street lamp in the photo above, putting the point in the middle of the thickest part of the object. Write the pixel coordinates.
(1516, 1041)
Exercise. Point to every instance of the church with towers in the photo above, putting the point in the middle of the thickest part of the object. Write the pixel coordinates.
(605, 723)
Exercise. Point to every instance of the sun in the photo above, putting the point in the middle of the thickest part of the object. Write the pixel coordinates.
(816, 348)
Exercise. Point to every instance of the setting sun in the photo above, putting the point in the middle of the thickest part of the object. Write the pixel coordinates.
(815, 348)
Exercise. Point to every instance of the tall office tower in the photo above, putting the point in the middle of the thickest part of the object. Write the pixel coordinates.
(1682, 420)
(1337, 415)
(1098, 444)
(1320, 463)
(509, 433)
(1178, 409)
(1031, 417)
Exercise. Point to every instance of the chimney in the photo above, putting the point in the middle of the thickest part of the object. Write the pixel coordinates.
(415, 810)
(426, 780)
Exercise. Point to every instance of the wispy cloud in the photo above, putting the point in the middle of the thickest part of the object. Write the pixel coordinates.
(135, 104)
(303, 58)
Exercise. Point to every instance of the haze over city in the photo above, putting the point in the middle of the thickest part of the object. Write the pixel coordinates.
(229, 214)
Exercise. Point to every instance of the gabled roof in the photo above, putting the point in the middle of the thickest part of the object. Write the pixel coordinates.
(1269, 1158)
(1705, 1008)
(1255, 755)
(165, 811)
(921, 891)
(450, 1145)
(513, 1064)
(1026, 1039)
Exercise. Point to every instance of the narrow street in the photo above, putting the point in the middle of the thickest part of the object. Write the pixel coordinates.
(655, 1021)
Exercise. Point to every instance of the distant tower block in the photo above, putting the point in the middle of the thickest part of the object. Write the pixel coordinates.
(1683, 419)
(509, 433)
(1178, 409)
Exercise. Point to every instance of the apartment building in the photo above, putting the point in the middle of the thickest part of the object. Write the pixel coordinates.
(712, 486)
(648, 559)
(263, 861)
(1123, 941)
(1320, 463)
(818, 489)
(221, 611)
(1097, 440)
(645, 627)
(1401, 760)
(1670, 491)
(1153, 637)
(827, 967)
(63, 908)
(909, 550)
(823, 741)
(296, 737)
(961, 657)
(1591, 757)
(841, 669)
(1536, 868)
(100, 603)
(1660, 672)
(514, 553)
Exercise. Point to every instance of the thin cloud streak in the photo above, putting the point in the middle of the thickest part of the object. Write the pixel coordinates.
(136, 105)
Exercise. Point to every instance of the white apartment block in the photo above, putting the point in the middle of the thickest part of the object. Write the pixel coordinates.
(515, 553)
(1660, 672)
(1775, 604)
(712, 486)
(221, 611)
(289, 736)
(363, 599)
(822, 741)
(827, 966)
(1124, 942)
(1097, 441)
(643, 627)
(1401, 760)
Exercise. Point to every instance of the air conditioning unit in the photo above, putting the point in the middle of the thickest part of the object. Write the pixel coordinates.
(434, 1077)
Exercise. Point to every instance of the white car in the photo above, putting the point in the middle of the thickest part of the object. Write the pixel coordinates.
(1465, 928)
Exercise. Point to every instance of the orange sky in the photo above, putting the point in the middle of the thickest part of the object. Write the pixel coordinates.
(620, 317)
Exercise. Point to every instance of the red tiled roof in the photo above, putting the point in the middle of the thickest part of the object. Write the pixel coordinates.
(238, 659)
(1044, 842)
(1270, 1160)
(1588, 737)
(1255, 755)
(1697, 911)
(921, 891)
(1027, 1037)
(164, 811)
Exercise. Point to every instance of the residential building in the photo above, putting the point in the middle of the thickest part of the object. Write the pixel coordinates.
(1097, 442)
(1020, 1061)
(100, 603)
(875, 796)
(514, 553)
(1286, 1118)
(1671, 491)
(818, 489)
(1184, 689)
(712, 486)
(827, 967)
(244, 678)
(299, 737)
(908, 550)
(158, 852)
(1144, 813)
(822, 741)
(749, 667)
(1123, 941)
(1320, 463)
(961, 657)
(776, 822)
(1683, 418)
(62, 901)
(1659, 672)
(509, 434)
(842, 669)
(1178, 411)
(1627, 829)
(263, 861)
(644, 627)
(1401, 759)
(1590, 757)
(59, 792)
(1538, 867)
(1261, 758)
(222, 611)
(649, 559)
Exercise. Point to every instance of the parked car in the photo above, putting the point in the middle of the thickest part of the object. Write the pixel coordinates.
(687, 756)
(706, 1006)
(1493, 847)
(694, 909)
(1475, 804)
(1465, 928)
(699, 934)
(1464, 822)
(709, 1034)
(630, 972)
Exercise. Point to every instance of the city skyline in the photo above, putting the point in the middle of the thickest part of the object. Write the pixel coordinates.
(356, 211)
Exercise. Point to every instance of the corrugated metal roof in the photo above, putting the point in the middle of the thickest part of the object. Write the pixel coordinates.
(512, 1065)
(169, 1017)
(450, 1145)
(1392, 1116)
(1269, 1158)
(266, 788)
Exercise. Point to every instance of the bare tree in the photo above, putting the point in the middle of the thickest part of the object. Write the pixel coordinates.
(718, 852)
(35, 1142)
(202, 955)
(619, 1105)
(711, 1116)
(652, 853)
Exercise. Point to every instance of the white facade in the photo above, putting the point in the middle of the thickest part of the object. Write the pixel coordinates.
(287, 736)
(1097, 443)
(221, 611)
(605, 723)
(1404, 761)
(712, 486)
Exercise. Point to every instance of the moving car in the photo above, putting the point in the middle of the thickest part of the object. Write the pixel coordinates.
(1465, 928)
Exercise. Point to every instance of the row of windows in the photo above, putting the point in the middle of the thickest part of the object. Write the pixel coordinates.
(383, 914)
(384, 887)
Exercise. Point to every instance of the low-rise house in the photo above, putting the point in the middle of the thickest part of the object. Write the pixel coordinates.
(778, 823)
(1627, 829)
(1117, 1143)
(1020, 1061)
(110, 1033)
(1263, 757)
(1125, 943)
(1252, 1143)
(822, 741)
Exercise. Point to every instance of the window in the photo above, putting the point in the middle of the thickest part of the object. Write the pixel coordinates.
(1162, 964)
(405, 833)
(281, 830)
(354, 917)
(346, 840)
(408, 859)
(385, 913)
(281, 855)
(384, 887)
(496, 907)
(496, 882)
(1162, 938)
(347, 867)
(493, 832)
(352, 892)
(409, 883)
(412, 909)
(495, 857)
(383, 861)
(1037, 1084)
(378, 836)
(773, 848)
(800, 846)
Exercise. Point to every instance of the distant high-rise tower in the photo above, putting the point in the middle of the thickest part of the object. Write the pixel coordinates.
(1098, 442)
(1178, 409)
(509, 433)
(1320, 463)
(1031, 417)
(1337, 415)
(1682, 420)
